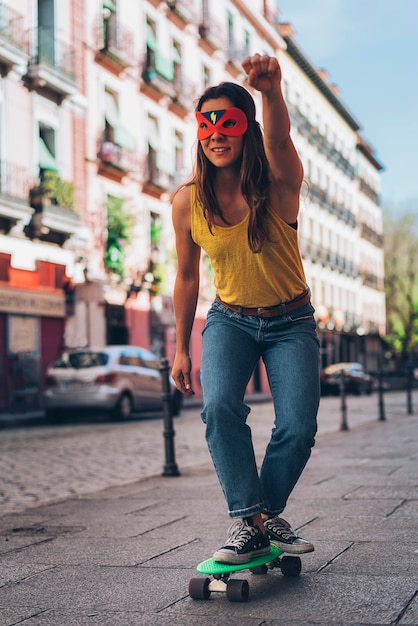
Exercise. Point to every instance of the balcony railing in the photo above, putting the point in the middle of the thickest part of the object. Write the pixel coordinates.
(368, 191)
(115, 43)
(11, 26)
(15, 181)
(371, 235)
(320, 254)
(212, 34)
(51, 67)
(51, 222)
(182, 9)
(49, 51)
(117, 157)
(321, 196)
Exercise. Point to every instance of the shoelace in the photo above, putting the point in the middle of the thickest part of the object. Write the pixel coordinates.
(283, 528)
(239, 534)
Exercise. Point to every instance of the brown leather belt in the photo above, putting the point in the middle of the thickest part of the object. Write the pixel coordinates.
(271, 311)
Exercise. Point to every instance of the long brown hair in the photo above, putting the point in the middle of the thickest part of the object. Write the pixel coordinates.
(254, 168)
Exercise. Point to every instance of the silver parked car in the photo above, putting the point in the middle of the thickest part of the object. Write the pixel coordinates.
(116, 379)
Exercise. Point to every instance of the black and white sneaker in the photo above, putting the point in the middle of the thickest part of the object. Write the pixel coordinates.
(285, 538)
(243, 543)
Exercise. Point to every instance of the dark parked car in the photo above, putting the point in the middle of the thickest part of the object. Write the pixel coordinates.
(116, 379)
(356, 380)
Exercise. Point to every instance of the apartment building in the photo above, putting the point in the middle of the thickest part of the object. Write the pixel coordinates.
(97, 130)
(42, 235)
(340, 229)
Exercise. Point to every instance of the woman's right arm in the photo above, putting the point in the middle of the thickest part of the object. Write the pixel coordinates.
(186, 289)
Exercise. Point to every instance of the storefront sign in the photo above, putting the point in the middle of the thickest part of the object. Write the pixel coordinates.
(31, 303)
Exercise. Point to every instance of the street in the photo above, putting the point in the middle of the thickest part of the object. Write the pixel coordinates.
(45, 463)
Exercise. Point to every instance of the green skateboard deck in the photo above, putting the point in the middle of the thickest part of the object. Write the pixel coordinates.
(211, 567)
(237, 590)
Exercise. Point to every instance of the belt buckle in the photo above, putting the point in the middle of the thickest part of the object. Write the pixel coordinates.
(260, 311)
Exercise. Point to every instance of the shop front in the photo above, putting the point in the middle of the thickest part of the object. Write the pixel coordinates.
(32, 327)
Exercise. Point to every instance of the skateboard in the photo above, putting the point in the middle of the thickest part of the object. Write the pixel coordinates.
(237, 590)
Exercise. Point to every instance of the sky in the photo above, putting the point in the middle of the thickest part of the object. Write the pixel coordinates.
(370, 50)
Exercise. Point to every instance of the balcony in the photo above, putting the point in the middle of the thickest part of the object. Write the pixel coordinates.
(12, 49)
(15, 211)
(212, 36)
(116, 161)
(161, 75)
(156, 181)
(235, 57)
(55, 219)
(180, 12)
(368, 191)
(368, 233)
(184, 94)
(115, 45)
(371, 280)
(51, 68)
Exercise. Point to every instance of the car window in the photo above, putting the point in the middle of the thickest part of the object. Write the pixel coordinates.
(131, 357)
(150, 360)
(81, 360)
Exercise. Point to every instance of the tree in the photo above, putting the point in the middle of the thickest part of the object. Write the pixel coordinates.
(401, 285)
(119, 227)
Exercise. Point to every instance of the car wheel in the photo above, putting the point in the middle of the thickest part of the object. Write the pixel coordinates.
(123, 409)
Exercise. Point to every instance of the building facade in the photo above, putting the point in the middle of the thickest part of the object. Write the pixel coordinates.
(340, 229)
(42, 235)
(97, 130)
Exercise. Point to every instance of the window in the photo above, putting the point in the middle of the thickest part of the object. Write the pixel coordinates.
(111, 116)
(47, 149)
(205, 11)
(153, 147)
(206, 77)
(151, 40)
(46, 30)
(247, 41)
(177, 66)
(231, 37)
(155, 61)
(114, 132)
(178, 159)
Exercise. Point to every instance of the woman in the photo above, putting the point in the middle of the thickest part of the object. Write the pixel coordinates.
(242, 209)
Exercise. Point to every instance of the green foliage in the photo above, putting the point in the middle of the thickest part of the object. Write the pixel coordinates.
(401, 285)
(60, 192)
(119, 227)
(156, 233)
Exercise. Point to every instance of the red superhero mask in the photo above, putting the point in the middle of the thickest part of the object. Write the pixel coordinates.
(232, 122)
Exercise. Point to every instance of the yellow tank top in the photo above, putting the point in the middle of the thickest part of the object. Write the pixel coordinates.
(243, 277)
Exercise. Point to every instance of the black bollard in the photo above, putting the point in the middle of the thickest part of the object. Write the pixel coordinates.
(344, 424)
(409, 386)
(382, 416)
(170, 467)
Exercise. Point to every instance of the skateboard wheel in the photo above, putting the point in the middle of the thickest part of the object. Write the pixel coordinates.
(260, 569)
(237, 590)
(199, 588)
(290, 565)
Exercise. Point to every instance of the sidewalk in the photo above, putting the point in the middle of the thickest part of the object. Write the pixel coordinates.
(124, 556)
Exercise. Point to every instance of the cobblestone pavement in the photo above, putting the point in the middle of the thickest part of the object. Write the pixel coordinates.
(45, 463)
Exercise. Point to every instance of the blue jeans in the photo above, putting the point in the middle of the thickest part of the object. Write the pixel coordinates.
(232, 347)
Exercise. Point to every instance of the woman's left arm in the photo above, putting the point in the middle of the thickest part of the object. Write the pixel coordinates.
(264, 75)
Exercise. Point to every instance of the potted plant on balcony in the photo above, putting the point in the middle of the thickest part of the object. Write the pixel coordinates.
(58, 191)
